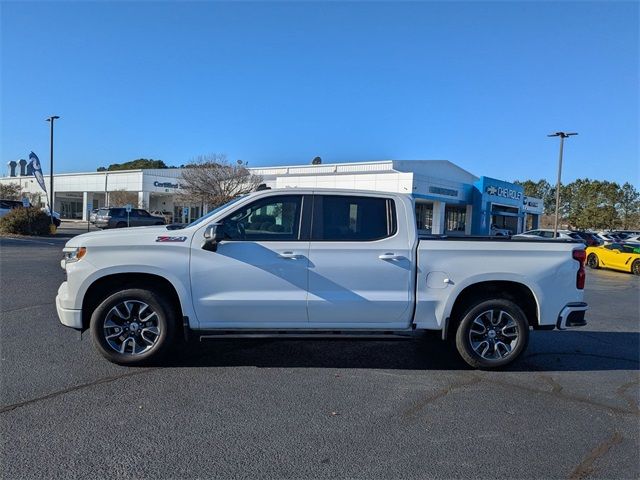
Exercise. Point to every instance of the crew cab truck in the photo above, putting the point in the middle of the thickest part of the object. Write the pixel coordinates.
(316, 263)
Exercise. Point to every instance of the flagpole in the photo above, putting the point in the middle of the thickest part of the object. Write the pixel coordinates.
(51, 199)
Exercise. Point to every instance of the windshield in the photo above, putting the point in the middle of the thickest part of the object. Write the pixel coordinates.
(214, 211)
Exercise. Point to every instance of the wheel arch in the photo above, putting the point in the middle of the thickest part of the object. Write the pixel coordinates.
(104, 286)
(521, 294)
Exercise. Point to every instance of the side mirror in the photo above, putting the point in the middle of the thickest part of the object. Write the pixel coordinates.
(213, 234)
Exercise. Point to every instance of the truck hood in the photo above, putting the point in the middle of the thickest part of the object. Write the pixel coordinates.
(126, 236)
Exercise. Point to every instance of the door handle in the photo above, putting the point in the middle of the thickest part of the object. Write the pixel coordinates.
(289, 255)
(389, 256)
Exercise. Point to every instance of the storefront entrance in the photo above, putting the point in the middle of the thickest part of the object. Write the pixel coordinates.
(503, 217)
(69, 205)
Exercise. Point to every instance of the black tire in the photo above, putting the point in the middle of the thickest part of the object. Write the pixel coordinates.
(635, 267)
(108, 318)
(502, 347)
(121, 224)
(592, 261)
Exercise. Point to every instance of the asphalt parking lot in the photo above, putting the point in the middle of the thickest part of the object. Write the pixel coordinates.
(314, 409)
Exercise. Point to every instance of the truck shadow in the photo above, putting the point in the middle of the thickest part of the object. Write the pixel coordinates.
(547, 351)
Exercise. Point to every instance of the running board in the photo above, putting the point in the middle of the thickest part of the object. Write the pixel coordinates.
(323, 335)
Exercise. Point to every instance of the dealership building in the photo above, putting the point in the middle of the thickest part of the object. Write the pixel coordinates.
(449, 200)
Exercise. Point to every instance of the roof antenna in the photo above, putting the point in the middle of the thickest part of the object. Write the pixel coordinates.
(316, 161)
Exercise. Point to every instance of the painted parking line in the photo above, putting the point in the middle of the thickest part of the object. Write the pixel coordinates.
(29, 240)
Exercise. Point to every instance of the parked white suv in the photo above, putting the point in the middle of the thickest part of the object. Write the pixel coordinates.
(316, 263)
(547, 233)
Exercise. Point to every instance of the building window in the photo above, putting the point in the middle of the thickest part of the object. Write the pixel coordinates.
(455, 219)
(424, 216)
(531, 221)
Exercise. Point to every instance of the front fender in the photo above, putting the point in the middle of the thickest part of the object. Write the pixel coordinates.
(181, 285)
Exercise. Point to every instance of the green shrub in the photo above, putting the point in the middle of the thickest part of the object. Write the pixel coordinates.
(25, 221)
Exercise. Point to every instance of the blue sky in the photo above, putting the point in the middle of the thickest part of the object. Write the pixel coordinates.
(477, 83)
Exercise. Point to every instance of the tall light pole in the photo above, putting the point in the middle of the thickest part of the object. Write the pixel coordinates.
(562, 136)
(51, 119)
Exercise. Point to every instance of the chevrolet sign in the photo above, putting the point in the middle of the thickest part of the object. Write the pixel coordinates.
(504, 192)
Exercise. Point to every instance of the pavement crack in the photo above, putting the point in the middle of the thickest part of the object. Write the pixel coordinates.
(563, 395)
(422, 403)
(555, 386)
(586, 468)
(622, 393)
(75, 388)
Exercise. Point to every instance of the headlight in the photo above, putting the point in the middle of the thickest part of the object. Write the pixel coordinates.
(74, 254)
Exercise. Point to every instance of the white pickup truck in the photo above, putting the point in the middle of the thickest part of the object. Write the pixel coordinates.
(316, 263)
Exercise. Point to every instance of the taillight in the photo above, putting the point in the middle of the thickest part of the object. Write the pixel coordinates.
(580, 256)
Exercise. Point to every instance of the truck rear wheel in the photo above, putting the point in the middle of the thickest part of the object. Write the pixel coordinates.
(133, 326)
(492, 334)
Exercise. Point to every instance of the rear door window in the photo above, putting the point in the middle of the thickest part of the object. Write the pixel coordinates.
(352, 218)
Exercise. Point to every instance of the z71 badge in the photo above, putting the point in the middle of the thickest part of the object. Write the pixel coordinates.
(165, 238)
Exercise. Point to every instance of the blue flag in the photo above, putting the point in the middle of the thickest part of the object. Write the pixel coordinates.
(34, 163)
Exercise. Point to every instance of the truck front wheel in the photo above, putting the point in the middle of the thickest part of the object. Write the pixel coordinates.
(492, 334)
(133, 326)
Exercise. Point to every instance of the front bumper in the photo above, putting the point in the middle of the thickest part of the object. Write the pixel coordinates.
(572, 315)
(68, 317)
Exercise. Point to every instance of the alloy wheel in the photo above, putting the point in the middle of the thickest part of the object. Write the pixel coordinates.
(131, 328)
(494, 334)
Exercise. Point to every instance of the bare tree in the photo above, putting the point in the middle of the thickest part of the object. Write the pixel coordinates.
(213, 180)
(119, 198)
(35, 199)
(9, 191)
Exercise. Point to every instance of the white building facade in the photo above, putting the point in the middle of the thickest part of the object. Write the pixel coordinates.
(445, 194)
